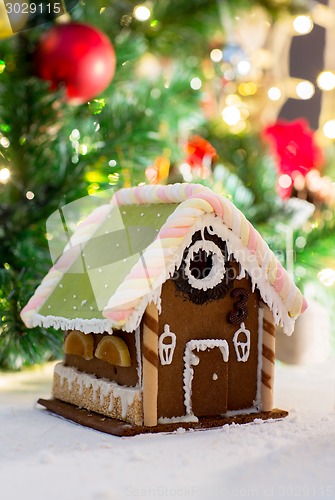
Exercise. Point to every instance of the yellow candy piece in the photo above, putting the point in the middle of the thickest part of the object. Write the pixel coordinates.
(113, 350)
(80, 344)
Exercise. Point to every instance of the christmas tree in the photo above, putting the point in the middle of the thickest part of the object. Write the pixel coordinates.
(182, 105)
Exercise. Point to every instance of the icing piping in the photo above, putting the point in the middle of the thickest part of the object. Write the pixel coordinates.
(199, 345)
(173, 420)
(166, 350)
(83, 325)
(242, 348)
(218, 267)
(106, 388)
(138, 356)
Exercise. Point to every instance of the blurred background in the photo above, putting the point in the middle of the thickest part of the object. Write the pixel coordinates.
(237, 95)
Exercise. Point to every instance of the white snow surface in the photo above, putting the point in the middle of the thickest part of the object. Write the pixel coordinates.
(46, 457)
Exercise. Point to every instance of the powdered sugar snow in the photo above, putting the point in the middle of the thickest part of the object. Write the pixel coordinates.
(43, 456)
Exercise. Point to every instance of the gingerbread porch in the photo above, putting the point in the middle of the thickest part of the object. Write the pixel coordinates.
(169, 300)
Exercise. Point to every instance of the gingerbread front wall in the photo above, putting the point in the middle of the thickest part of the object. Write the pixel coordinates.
(217, 386)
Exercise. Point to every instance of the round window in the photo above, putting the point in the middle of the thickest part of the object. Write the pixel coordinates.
(204, 265)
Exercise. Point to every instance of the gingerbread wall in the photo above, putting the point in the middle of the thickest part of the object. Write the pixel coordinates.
(216, 386)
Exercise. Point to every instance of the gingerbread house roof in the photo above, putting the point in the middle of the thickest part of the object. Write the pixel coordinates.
(119, 257)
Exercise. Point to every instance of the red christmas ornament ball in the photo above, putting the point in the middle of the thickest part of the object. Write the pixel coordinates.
(78, 56)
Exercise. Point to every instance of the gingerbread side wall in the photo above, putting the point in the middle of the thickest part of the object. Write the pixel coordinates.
(125, 376)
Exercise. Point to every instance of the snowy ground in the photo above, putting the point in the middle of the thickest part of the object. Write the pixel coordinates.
(45, 457)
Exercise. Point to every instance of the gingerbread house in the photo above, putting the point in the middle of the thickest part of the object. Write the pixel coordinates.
(169, 299)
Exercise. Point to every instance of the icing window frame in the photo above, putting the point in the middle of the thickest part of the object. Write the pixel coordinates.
(218, 268)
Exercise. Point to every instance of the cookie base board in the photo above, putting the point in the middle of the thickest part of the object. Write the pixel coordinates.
(123, 429)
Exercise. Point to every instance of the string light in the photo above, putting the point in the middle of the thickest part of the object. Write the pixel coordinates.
(327, 276)
(196, 83)
(274, 93)
(326, 80)
(83, 149)
(4, 175)
(186, 172)
(329, 129)
(243, 67)
(303, 25)
(305, 90)
(75, 135)
(285, 181)
(300, 242)
(216, 55)
(30, 195)
(141, 13)
(248, 88)
(4, 142)
(232, 99)
(231, 115)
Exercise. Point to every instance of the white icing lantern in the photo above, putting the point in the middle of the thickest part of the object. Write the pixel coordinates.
(166, 349)
(242, 347)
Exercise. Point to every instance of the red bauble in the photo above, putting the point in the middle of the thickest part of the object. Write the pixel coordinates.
(78, 56)
(295, 149)
(199, 151)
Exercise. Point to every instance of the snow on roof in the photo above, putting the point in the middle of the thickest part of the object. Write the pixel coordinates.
(119, 257)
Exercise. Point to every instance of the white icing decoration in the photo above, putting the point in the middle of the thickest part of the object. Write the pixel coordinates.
(242, 347)
(174, 420)
(215, 376)
(241, 273)
(83, 302)
(243, 411)
(195, 360)
(138, 355)
(199, 345)
(105, 388)
(83, 325)
(166, 350)
(217, 270)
